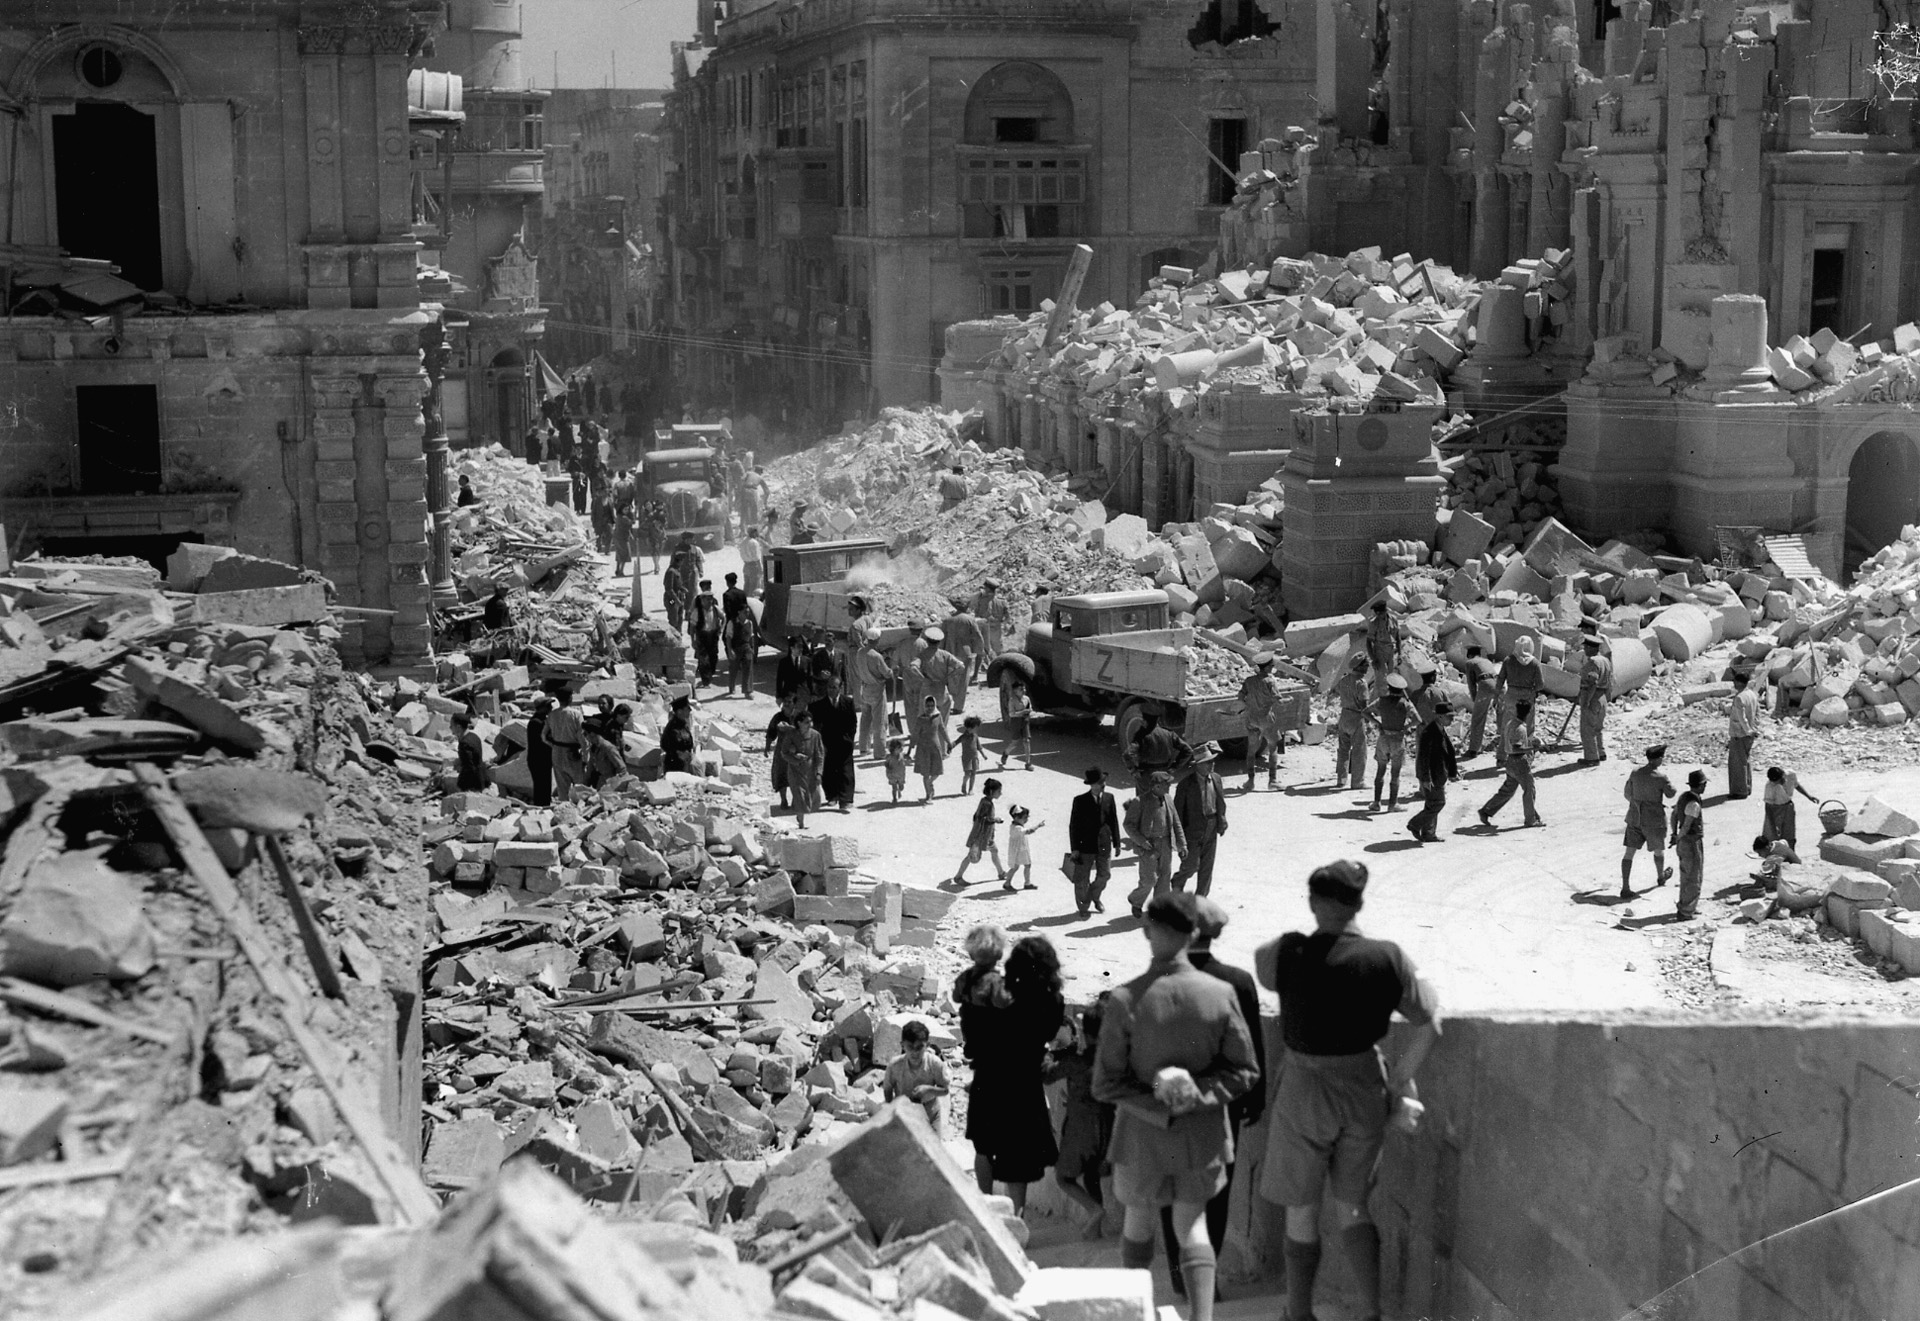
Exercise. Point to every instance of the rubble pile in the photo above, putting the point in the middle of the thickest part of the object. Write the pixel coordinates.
(1817, 368)
(1513, 490)
(873, 478)
(512, 535)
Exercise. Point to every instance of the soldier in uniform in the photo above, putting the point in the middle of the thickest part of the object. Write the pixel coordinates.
(1260, 699)
(1647, 790)
(1350, 751)
(1690, 845)
(1596, 687)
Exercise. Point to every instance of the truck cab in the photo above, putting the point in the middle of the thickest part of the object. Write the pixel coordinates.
(1050, 640)
(787, 567)
(683, 481)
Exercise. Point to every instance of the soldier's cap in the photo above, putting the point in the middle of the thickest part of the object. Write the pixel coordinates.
(1397, 683)
(935, 635)
(1094, 775)
(1209, 918)
(1656, 752)
(1174, 911)
(1263, 660)
(1696, 779)
(1344, 881)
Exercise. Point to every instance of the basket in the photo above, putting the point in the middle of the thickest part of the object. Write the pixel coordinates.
(1833, 817)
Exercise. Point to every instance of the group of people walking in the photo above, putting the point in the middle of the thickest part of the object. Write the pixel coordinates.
(1164, 1072)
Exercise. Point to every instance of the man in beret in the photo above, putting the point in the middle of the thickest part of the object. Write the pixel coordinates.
(1174, 1054)
(1646, 792)
(1338, 991)
(1209, 920)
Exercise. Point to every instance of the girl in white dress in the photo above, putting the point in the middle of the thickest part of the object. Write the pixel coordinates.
(1019, 853)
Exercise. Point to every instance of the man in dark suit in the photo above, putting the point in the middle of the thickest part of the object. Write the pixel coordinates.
(1245, 1110)
(1201, 804)
(1093, 829)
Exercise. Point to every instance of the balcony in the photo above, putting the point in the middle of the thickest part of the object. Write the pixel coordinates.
(499, 173)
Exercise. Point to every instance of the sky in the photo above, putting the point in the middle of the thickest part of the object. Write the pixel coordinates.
(596, 39)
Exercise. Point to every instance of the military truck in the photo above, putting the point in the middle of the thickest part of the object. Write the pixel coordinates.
(683, 480)
(820, 567)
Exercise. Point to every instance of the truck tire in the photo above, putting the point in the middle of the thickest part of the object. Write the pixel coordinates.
(1125, 721)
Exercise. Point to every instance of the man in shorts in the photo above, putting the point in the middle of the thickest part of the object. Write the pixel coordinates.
(1174, 1054)
(1647, 790)
(1338, 990)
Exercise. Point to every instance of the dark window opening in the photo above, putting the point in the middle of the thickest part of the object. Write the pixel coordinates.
(1228, 21)
(817, 182)
(119, 433)
(107, 189)
(100, 66)
(1226, 139)
(857, 163)
(1010, 291)
(1829, 291)
(1604, 12)
(1379, 109)
(1016, 130)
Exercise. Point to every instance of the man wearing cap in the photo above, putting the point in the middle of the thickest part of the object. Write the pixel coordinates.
(1480, 674)
(1154, 747)
(1390, 716)
(1209, 920)
(1516, 739)
(1201, 805)
(862, 627)
(1350, 751)
(1435, 767)
(905, 660)
(943, 674)
(1423, 689)
(1383, 644)
(1646, 791)
(1093, 829)
(1520, 681)
(868, 674)
(1690, 845)
(1260, 699)
(1153, 829)
(990, 608)
(1743, 727)
(1338, 990)
(1596, 687)
(1174, 1054)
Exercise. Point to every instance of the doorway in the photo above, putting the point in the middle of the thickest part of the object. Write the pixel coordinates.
(1883, 495)
(107, 188)
(118, 427)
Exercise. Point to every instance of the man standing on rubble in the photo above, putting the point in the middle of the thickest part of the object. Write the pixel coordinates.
(566, 735)
(1646, 792)
(540, 753)
(1174, 1054)
(1337, 1097)
(753, 499)
(1383, 642)
(869, 674)
(1153, 829)
(1350, 748)
(1743, 727)
(953, 487)
(1596, 688)
(990, 608)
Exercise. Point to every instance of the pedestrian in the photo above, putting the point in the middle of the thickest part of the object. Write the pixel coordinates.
(1093, 832)
(1209, 920)
(1520, 681)
(1006, 1023)
(1596, 689)
(1337, 1096)
(673, 595)
(868, 675)
(566, 737)
(467, 496)
(1423, 689)
(1690, 845)
(953, 487)
(905, 658)
(1086, 1123)
(1019, 722)
(836, 721)
(920, 1075)
(1383, 642)
(706, 621)
(965, 639)
(1200, 804)
(1390, 714)
(982, 838)
(676, 737)
(652, 520)
(1435, 766)
(753, 497)
(471, 752)
(777, 727)
(1154, 748)
(624, 548)
(931, 743)
(990, 608)
(1260, 698)
(1153, 829)
(1517, 761)
(897, 766)
(969, 753)
(1743, 727)
(943, 673)
(1019, 847)
(1174, 1054)
(742, 636)
(753, 551)
(805, 757)
(540, 753)
(691, 559)
(1646, 791)
(794, 677)
(733, 600)
(1777, 806)
(1480, 674)
(1350, 749)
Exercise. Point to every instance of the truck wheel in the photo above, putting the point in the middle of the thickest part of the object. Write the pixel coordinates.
(1126, 721)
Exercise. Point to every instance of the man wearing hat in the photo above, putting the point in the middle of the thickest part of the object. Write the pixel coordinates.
(1209, 920)
(943, 674)
(1435, 766)
(1390, 715)
(1690, 844)
(1174, 1054)
(1480, 674)
(1154, 747)
(1338, 989)
(1260, 699)
(1516, 740)
(1596, 687)
(1423, 689)
(1093, 829)
(1350, 751)
(1201, 805)
(1383, 643)
(1520, 681)
(1646, 791)
(905, 659)
(1153, 829)
(990, 608)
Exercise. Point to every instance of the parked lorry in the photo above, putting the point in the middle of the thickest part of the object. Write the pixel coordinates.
(806, 585)
(684, 481)
(1117, 652)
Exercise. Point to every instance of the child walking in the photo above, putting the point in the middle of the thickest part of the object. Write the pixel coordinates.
(1019, 727)
(897, 766)
(969, 752)
(919, 1074)
(981, 838)
(1019, 854)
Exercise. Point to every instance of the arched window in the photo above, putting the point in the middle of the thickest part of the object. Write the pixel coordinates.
(1019, 102)
(1021, 174)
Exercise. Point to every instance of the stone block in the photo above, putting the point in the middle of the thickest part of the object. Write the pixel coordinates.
(1869, 890)
(523, 853)
(1067, 1294)
(76, 920)
(30, 1122)
(1877, 818)
(464, 1152)
(1877, 932)
(810, 908)
(774, 893)
(1850, 850)
(239, 573)
(188, 566)
(1310, 637)
(931, 905)
(790, 1004)
(1465, 537)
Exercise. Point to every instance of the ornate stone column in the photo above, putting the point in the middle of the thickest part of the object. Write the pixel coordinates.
(433, 443)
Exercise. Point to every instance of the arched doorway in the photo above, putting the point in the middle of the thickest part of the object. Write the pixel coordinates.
(1883, 494)
(507, 374)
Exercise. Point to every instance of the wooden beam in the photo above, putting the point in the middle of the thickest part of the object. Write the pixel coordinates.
(28, 996)
(317, 953)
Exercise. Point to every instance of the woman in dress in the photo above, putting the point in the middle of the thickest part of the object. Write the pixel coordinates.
(1007, 1036)
(930, 745)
